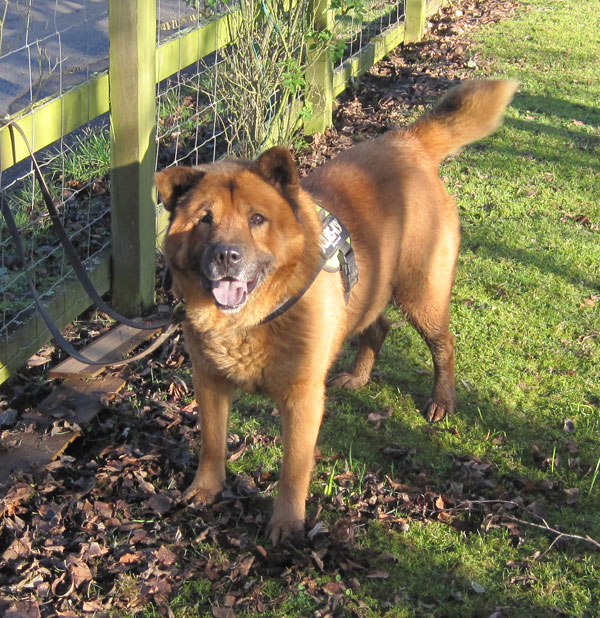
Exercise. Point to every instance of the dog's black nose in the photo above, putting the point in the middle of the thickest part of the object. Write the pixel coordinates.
(227, 256)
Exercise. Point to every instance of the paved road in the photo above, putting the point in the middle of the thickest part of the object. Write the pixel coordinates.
(47, 46)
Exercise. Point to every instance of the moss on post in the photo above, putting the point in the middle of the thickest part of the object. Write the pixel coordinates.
(319, 75)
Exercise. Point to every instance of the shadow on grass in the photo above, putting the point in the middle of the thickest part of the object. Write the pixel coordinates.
(546, 262)
(429, 571)
(406, 386)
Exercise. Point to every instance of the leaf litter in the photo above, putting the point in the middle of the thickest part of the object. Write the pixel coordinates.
(102, 529)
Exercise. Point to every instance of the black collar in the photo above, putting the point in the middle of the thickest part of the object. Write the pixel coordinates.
(336, 254)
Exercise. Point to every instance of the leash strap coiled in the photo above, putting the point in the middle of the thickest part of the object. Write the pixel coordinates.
(70, 252)
(167, 326)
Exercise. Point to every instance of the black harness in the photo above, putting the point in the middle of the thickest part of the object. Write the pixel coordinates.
(336, 248)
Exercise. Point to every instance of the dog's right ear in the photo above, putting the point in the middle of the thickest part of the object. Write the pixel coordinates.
(174, 182)
(278, 168)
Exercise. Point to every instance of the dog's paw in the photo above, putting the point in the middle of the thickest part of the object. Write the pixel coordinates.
(287, 521)
(199, 494)
(348, 380)
(436, 412)
(280, 530)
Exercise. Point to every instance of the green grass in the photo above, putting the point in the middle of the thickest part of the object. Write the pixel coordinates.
(74, 170)
(528, 357)
(88, 159)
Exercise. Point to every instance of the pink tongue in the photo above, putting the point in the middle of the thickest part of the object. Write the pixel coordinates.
(229, 293)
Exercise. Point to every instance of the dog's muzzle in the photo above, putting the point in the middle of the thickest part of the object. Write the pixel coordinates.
(229, 275)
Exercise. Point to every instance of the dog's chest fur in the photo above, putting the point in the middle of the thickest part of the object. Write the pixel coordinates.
(241, 356)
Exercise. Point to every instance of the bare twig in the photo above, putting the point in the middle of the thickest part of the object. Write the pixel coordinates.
(466, 506)
(559, 533)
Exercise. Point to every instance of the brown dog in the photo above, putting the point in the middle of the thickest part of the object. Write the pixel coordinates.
(244, 239)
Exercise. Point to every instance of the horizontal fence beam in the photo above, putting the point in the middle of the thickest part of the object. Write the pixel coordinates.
(51, 119)
(67, 303)
(375, 50)
(433, 6)
(180, 53)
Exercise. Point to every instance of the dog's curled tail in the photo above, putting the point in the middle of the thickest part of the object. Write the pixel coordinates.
(468, 112)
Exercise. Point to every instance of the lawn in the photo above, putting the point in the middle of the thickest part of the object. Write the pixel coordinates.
(526, 315)
(526, 318)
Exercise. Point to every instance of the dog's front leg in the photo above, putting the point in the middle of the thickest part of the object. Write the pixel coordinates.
(213, 395)
(301, 415)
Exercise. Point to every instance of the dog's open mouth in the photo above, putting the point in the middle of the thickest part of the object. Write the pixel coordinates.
(230, 294)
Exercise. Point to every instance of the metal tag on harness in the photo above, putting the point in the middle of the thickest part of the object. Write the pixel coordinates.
(337, 251)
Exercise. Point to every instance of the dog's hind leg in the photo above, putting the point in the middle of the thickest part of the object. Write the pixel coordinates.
(369, 345)
(432, 323)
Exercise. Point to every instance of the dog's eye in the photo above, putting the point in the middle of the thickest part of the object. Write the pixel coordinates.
(257, 219)
(207, 218)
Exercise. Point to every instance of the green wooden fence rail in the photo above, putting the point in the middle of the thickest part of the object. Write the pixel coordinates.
(128, 92)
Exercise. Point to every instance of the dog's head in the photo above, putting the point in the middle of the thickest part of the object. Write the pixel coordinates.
(235, 233)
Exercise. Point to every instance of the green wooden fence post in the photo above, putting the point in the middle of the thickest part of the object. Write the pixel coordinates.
(132, 30)
(415, 14)
(319, 75)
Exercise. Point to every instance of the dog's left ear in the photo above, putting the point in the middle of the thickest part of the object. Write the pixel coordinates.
(278, 168)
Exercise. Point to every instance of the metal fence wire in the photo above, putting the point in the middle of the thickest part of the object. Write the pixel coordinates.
(359, 27)
(47, 47)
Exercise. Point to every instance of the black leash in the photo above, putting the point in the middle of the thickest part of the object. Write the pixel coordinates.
(167, 326)
(72, 256)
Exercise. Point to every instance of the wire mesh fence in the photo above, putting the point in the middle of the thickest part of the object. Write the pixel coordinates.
(80, 191)
(48, 47)
(189, 130)
(357, 27)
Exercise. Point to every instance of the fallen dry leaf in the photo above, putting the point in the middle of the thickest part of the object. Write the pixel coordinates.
(130, 558)
(92, 606)
(334, 587)
(78, 570)
(159, 503)
(380, 415)
(24, 609)
(165, 556)
(223, 612)
(378, 574)
(572, 495)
